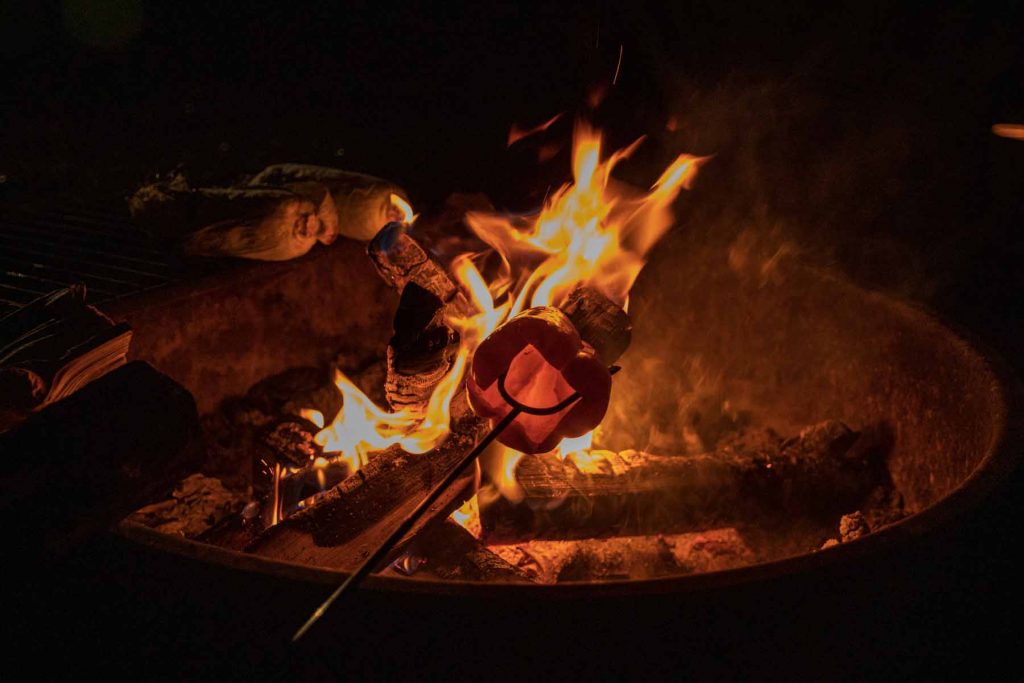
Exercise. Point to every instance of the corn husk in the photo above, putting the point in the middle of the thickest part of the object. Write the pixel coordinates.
(278, 214)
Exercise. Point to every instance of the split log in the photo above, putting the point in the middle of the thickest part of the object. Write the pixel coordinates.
(423, 347)
(421, 351)
(391, 479)
(600, 322)
(827, 470)
(400, 260)
(450, 552)
(627, 557)
(78, 466)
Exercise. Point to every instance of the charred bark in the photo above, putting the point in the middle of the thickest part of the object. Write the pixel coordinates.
(452, 553)
(391, 479)
(421, 351)
(827, 470)
(600, 322)
(626, 557)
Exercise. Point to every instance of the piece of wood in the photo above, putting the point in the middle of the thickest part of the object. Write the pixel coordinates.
(828, 470)
(78, 466)
(421, 351)
(600, 321)
(400, 259)
(449, 552)
(627, 557)
(389, 481)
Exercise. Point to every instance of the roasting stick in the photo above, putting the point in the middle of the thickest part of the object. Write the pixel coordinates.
(385, 548)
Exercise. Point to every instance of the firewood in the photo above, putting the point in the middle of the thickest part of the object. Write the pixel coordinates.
(392, 478)
(450, 552)
(600, 322)
(400, 259)
(83, 463)
(827, 470)
(627, 557)
(420, 352)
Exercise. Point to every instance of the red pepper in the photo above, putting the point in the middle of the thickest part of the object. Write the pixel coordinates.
(544, 362)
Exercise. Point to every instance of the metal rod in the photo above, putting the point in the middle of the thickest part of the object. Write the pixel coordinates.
(385, 548)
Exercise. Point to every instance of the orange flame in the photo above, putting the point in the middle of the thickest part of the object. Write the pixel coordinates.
(404, 208)
(468, 517)
(592, 231)
(589, 232)
(515, 133)
(361, 427)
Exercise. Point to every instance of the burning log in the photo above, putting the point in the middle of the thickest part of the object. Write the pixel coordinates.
(600, 322)
(452, 553)
(626, 557)
(423, 347)
(421, 351)
(390, 480)
(400, 260)
(827, 470)
(119, 443)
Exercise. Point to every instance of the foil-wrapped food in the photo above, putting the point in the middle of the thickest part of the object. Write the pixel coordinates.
(276, 215)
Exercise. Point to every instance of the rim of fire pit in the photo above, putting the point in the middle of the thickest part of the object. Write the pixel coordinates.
(990, 472)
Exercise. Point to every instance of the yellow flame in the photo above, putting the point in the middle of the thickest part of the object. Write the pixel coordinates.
(468, 517)
(590, 231)
(404, 208)
(361, 427)
(314, 416)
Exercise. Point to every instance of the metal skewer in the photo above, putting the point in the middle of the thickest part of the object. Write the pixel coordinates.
(385, 548)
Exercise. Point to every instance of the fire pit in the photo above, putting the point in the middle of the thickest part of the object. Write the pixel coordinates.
(769, 417)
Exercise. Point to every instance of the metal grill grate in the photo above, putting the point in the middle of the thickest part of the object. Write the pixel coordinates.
(45, 249)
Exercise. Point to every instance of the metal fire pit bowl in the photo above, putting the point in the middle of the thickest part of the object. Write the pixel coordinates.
(795, 344)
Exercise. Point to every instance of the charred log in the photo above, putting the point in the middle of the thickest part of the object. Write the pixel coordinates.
(626, 557)
(450, 552)
(600, 322)
(400, 260)
(421, 351)
(826, 471)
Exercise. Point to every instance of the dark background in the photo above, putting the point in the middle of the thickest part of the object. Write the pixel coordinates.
(858, 133)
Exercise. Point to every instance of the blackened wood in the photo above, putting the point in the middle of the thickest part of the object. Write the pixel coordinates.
(627, 557)
(80, 465)
(400, 259)
(828, 470)
(453, 553)
(390, 480)
(290, 442)
(420, 352)
(600, 322)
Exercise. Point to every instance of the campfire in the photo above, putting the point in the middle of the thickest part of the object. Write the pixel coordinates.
(497, 311)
